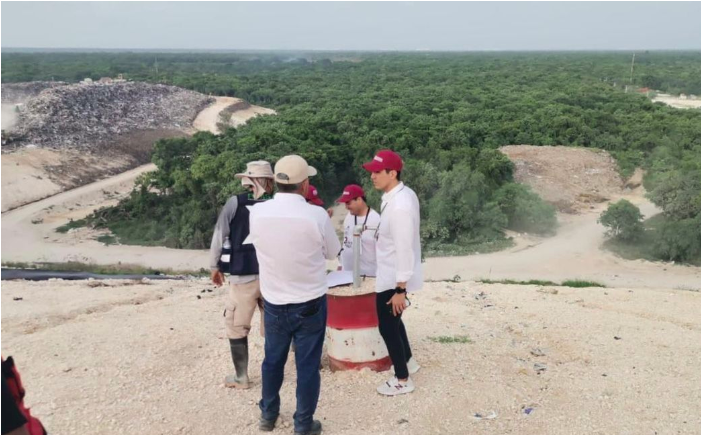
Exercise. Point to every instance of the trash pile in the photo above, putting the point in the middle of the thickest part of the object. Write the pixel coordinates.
(17, 93)
(90, 117)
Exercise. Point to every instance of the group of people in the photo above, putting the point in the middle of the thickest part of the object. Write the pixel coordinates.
(277, 248)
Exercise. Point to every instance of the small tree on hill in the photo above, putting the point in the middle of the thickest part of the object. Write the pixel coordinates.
(623, 221)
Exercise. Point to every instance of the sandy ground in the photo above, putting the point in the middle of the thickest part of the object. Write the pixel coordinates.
(572, 179)
(29, 232)
(208, 118)
(24, 178)
(677, 102)
(151, 358)
(27, 174)
(240, 117)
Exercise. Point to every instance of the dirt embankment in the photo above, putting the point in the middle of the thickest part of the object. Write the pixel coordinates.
(678, 102)
(572, 179)
(129, 357)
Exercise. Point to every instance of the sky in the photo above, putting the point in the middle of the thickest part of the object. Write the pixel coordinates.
(472, 26)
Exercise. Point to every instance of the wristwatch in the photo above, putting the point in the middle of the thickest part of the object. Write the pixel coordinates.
(399, 290)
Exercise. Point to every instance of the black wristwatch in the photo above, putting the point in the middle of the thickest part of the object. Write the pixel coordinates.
(399, 290)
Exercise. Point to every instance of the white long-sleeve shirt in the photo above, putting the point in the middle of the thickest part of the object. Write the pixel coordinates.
(293, 240)
(368, 262)
(398, 244)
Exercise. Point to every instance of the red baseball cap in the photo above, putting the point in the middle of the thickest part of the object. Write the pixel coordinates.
(385, 159)
(351, 192)
(313, 196)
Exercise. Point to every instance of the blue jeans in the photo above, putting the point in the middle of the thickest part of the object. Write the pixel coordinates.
(306, 324)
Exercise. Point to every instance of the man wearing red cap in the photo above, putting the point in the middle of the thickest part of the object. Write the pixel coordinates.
(398, 249)
(359, 213)
(313, 196)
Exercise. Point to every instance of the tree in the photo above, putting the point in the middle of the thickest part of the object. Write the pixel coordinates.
(525, 210)
(623, 221)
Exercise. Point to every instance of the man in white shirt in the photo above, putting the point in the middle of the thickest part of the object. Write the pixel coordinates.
(293, 240)
(359, 213)
(398, 249)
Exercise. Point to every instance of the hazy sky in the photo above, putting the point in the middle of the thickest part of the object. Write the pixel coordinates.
(353, 26)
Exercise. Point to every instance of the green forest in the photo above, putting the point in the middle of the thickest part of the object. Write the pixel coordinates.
(445, 113)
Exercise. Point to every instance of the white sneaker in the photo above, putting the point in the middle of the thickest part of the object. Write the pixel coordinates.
(394, 387)
(412, 366)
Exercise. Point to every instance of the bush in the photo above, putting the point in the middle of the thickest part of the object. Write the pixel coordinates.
(525, 210)
(623, 221)
(679, 240)
(458, 204)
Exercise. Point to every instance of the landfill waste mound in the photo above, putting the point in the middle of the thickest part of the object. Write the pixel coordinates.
(17, 93)
(90, 117)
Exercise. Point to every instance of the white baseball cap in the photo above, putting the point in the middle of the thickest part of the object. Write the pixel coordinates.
(293, 169)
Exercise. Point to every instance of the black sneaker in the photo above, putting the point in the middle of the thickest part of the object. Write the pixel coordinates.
(315, 429)
(266, 425)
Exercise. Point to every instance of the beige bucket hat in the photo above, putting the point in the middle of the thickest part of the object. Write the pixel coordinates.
(257, 169)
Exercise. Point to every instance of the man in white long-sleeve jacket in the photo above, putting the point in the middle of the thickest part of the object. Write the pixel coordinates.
(293, 240)
(398, 250)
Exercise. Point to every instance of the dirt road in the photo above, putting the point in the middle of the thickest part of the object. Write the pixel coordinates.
(208, 119)
(29, 232)
(677, 102)
(108, 358)
(574, 253)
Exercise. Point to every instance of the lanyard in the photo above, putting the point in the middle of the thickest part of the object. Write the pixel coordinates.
(382, 210)
(367, 215)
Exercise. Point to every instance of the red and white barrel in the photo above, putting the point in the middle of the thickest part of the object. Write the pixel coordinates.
(352, 338)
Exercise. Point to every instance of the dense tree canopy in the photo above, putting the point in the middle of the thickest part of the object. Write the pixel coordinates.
(445, 113)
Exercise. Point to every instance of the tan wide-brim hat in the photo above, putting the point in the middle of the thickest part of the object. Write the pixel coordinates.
(293, 169)
(257, 169)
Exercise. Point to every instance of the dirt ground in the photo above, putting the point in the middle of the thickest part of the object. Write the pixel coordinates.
(29, 174)
(240, 117)
(208, 119)
(677, 102)
(150, 357)
(572, 179)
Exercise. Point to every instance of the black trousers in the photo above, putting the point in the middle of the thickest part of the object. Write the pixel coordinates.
(394, 334)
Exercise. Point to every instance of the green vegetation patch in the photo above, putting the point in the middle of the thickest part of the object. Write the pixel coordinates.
(445, 339)
(71, 225)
